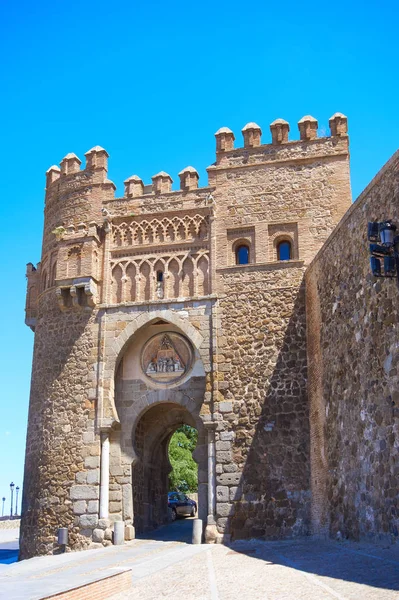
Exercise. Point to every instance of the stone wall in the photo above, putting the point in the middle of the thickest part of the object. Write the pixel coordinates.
(262, 440)
(353, 353)
(60, 441)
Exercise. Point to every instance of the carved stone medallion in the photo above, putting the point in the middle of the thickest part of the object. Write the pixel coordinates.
(166, 357)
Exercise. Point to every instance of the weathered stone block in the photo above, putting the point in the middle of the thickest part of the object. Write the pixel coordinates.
(88, 437)
(223, 456)
(88, 520)
(104, 523)
(129, 532)
(235, 493)
(93, 476)
(115, 507)
(227, 436)
(81, 477)
(225, 407)
(115, 496)
(223, 445)
(79, 507)
(98, 535)
(84, 492)
(224, 509)
(222, 493)
(92, 462)
(230, 468)
(93, 506)
(223, 524)
(228, 478)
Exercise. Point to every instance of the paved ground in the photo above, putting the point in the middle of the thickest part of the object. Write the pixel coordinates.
(167, 567)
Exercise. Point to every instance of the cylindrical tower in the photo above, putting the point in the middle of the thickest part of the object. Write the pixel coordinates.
(61, 308)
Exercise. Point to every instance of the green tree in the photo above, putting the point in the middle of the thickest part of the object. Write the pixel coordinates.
(184, 474)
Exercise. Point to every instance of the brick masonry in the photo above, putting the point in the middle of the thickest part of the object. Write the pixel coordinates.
(98, 590)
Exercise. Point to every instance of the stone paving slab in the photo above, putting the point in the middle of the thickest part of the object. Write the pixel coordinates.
(290, 570)
(41, 577)
(306, 570)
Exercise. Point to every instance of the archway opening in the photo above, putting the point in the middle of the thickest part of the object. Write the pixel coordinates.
(183, 476)
(168, 448)
(159, 387)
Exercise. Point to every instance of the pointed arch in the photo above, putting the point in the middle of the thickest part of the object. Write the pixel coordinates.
(203, 275)
(145, 283)
(131, 282)
(187, 288)
(173, 279)
(117, 283)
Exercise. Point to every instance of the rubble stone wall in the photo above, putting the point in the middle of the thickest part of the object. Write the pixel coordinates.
(353, 355)
(262, 440)
(61, 443)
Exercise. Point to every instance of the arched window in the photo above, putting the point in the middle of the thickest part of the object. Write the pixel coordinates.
(159, 276)
(284, 251)
(242, 255)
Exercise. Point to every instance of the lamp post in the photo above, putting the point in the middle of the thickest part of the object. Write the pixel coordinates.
(16, 500)
(2, 508)
(384, 249)
(12, 493)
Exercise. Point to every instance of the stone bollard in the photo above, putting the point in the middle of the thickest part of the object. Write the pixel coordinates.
(197, 531)
(119, 533)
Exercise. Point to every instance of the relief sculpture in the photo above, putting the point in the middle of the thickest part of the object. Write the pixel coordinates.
(166, 357)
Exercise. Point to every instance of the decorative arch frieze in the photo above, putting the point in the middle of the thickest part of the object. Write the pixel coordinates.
(155, 231)
(185, 274)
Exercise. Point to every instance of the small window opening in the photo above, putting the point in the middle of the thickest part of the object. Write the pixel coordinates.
(242, 255)
(160, 276)
(284, 251)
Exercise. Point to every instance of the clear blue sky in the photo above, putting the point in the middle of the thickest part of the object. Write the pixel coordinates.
(151, 82)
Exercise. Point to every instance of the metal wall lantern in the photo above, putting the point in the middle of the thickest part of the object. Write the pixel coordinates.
(384, 249)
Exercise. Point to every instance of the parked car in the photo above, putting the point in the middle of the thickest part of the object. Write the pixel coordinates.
(181, 505)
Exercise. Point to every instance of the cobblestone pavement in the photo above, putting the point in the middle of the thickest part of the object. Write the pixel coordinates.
(290, 570)
(166, 566)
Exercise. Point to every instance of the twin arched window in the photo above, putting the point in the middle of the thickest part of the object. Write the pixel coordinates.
(284, 252)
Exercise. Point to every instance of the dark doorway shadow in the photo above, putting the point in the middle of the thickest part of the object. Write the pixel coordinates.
(180, 530)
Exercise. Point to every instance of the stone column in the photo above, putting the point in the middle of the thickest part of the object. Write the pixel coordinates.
(104, 475)
(211, 532)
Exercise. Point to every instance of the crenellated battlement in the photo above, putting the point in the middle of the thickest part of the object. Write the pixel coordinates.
(95, 171)
(249, 196)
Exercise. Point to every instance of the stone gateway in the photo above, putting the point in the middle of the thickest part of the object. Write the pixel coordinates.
(168, 307)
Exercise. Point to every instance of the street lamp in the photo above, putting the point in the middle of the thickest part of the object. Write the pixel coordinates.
(16, 500)
(383, 249)
(2, 508)
(12, 493)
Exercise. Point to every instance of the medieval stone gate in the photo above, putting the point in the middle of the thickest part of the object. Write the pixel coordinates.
(164, 307)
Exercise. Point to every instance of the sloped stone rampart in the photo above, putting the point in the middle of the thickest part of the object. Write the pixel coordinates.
(354, 375)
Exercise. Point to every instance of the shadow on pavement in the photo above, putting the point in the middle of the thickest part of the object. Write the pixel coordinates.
(370, 566)
(179, 531)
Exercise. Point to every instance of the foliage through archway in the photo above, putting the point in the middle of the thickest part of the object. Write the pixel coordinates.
(184, 474)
